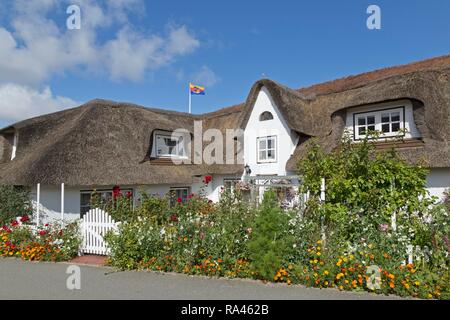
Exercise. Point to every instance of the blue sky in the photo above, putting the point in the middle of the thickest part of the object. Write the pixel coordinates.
(224, 45)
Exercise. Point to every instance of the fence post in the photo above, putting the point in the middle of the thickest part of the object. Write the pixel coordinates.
(322, 200)
(38, 203)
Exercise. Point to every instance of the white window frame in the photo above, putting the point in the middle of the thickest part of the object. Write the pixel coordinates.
(232, 183)
(178, 150)
(177, 189)
(377, 114)
(274, 149)
(102, 191)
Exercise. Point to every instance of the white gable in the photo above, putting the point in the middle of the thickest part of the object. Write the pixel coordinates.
(286, 140)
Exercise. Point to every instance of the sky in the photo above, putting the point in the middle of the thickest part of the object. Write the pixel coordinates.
(146, 52)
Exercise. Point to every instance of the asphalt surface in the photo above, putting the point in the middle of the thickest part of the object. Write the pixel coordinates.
(39, 280)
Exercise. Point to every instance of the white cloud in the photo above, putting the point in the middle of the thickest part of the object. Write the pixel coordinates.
(34, 48)
(205, 76)
(20, 102)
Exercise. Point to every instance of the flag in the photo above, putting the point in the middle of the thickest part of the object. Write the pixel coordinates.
(196, 90)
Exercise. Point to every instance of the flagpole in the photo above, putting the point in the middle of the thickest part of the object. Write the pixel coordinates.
(190, 98)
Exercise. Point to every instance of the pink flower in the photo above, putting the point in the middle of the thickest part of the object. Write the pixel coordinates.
(383, 227)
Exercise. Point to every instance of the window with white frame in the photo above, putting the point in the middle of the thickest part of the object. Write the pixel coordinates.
(230, 184)
(101, 197)
(178, 194)
(167, 145)
(267, 149)
(387, 122)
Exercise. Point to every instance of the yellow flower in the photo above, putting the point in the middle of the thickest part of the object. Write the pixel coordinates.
(290, 267)
(430, 296)
(315, 260)
(351, 256)
(319, 241)
(318, 254)
(339, 262)
(318, 248)
(391, 276)
(406, 286)
(326, 272)
(417, 283)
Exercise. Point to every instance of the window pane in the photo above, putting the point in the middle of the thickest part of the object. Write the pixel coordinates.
(262, 155)
(395, 116)
(395, 127)
(262, 144)
(362, 130)
(371, 128)
(270, 143)
(371, 120)
(271, 154)
(385, 117)
(361, 121)
(385, 128)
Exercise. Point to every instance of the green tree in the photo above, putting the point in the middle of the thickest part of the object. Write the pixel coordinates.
(271, 239)
(14, 202)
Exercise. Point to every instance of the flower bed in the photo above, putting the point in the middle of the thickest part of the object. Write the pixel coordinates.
(51, 242)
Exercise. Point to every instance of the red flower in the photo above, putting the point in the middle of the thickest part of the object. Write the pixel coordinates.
(190, 196)
(179, 200)
(8, 243)
(25, 218)
(116, 192)
(14, 223)
(42, 233)
(207, 179)
(6, 229)
(174, 218)
(129, 194)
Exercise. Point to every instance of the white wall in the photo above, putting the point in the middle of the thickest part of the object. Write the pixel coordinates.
(410, 125)
(286, 139)
(438, 180)
(50, 200)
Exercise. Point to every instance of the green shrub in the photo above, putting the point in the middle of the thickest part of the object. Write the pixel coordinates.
(14, 202)
(270, 240)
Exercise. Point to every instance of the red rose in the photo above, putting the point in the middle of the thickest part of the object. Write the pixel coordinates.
(116, 192)
(129, 194)
(8, 243)
(174, 218)
(14, 223)
(190, 196)
(46, 225)
(25, 218)
(42, 233)
(207, 179)
(179, 200)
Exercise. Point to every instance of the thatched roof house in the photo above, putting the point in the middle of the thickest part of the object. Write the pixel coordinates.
(108, 143)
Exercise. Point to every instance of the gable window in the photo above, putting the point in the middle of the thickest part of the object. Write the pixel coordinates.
(267, 149)
(169, 146)
(178, 193)
(387, 122)
(265, 116)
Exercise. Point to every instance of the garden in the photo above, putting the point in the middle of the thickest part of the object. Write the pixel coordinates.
(376, 231)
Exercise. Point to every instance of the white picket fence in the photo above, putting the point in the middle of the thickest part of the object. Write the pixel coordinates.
(96, 223)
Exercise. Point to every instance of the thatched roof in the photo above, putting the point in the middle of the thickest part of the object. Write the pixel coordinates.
(318, 113)
(99, 143)
(107, 143)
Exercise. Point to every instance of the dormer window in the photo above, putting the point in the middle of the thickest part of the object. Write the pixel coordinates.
(265, 116)
(387, 122)
(167, 145)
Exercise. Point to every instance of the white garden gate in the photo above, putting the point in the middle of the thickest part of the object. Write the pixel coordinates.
(96, 223)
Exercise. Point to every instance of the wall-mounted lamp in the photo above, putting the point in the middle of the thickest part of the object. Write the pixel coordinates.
(248, 171)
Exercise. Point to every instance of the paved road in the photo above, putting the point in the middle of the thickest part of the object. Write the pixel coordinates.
(33, 280)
